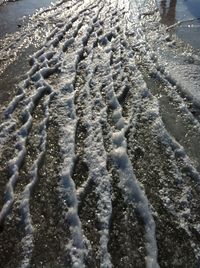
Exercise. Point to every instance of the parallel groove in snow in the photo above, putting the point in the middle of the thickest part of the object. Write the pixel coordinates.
(89, 68)
(78, 247)
(28, 243)
(128, 181)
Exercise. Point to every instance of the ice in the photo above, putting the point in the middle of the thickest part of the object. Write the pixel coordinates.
(100, 76)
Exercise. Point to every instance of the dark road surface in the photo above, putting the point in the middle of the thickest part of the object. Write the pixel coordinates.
(99, 140)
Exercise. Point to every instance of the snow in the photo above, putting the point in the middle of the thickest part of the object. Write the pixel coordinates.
(104, 52)
(186, 76)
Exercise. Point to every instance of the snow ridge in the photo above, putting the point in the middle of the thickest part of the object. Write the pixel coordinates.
(119, 173)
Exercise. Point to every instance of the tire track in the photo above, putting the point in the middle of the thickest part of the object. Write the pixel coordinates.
(91, 189)
(120, 123)
(123, 216)
(35, 76)
(79, 245)
(141, 152)
(50, 232)
(127, 178)
(95, 178)
(158, 176)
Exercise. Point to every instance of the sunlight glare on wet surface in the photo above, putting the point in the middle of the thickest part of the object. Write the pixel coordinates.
(12, 13)
(186, 12)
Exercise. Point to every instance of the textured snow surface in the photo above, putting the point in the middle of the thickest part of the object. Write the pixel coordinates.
(99, 146)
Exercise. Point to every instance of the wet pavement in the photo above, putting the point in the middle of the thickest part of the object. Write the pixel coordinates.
(99, 147)
(186, 12)
(12, 14)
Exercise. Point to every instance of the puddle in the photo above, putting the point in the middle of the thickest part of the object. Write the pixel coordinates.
(13, 75)
(190, 33)
(188, 12)
(178, 128)
(12, 13)
(175, 123)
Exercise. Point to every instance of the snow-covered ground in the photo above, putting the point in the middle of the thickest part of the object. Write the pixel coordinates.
(100, 142)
